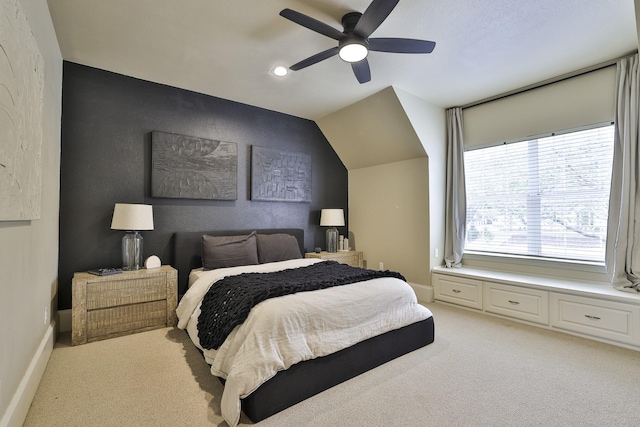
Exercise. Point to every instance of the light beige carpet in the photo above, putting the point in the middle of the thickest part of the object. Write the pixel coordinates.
(480, 371)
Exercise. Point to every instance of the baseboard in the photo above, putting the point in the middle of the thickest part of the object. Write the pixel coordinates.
(22, 398)
(424, 293)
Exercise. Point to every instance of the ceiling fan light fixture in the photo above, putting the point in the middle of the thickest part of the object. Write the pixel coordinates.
(280, 71)
(354, 42)
(353, 49)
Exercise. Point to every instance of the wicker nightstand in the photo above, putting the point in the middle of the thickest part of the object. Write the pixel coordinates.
(122, 304)
(353, 258)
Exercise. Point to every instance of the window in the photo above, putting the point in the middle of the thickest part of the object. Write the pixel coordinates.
(546, 197)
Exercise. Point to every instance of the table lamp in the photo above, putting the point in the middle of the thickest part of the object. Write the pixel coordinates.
(332, 218)
(132, 218)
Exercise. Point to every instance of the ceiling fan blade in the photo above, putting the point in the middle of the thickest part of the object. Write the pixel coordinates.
(361, 70)
(375, 14)
(312, 24)
(401, 45)
(315, 59)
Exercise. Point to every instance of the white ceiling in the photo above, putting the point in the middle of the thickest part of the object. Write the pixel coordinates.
(226, 48)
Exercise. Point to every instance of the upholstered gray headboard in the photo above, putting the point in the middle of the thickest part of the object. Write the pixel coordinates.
(187, 249)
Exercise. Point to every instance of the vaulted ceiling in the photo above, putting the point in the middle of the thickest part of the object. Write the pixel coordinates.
(228, 48)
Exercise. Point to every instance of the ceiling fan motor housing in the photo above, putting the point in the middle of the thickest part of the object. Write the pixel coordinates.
(352, 47)
(349, 21)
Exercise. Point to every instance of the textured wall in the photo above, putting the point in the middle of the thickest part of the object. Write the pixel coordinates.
(106, 158)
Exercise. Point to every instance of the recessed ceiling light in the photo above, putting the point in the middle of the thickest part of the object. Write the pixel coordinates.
(280, 71)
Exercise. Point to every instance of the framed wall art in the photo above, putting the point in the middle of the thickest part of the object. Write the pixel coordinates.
(280, 175)
(21, 116)
(186, 167)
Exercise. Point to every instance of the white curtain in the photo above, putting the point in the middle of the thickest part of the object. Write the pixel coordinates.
(622, 257)
(456, 203)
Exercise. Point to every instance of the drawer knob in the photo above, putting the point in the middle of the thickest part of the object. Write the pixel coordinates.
(514, 302)
(457, 291)
(591, 317)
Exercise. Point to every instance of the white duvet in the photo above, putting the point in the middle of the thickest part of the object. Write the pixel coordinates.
(280, 332)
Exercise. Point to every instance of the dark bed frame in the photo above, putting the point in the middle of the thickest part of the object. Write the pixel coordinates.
(308, 378)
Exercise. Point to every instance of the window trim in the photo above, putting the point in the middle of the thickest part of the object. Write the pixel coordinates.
(566, 269)
(535, 261)
(570, 264)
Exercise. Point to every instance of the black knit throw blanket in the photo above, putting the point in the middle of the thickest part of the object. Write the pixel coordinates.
(229, 300)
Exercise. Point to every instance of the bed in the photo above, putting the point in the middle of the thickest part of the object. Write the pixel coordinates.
(283, 383)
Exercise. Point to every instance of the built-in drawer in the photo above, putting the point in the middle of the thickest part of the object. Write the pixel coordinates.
(604, 319)
(458, 290)
(518, 302)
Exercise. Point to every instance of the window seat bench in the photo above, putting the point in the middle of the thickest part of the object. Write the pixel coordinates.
(592, 310)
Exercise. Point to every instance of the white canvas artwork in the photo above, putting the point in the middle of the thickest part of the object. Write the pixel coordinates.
(21, 103)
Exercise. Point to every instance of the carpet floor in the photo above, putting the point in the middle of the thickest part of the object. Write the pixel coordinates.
(480, 371)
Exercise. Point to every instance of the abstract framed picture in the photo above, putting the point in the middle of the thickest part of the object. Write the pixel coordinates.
(187, 167)
(280, 175)
(21, 116)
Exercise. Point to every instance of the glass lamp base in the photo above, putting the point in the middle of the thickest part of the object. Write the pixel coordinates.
(132, 251)
(332, 239)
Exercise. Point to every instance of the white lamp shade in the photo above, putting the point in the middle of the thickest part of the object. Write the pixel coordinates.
(132, 217)
(332, 218)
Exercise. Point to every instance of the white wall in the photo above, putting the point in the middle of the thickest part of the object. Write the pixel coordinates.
(388, 216)
(429, 124)
(29, 249)
(373, 131)
(393, 144)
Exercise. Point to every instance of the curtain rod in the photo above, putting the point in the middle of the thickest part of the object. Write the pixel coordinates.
(550, 81)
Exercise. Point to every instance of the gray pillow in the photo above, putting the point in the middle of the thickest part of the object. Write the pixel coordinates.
(229, 251)
(277, 247)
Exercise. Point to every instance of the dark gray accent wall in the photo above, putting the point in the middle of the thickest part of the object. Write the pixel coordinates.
(107, 121)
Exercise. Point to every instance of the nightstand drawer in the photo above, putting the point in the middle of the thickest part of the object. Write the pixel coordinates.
(129, 291)
(458, 290)
(514, 301)
(605, 319)
(113, 321)
(352, 258)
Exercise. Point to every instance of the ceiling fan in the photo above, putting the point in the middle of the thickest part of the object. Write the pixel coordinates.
(354, 43)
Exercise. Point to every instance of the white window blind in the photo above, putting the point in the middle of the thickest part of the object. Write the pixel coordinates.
(546, 197)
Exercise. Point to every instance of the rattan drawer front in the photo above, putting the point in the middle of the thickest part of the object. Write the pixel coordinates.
(121, 292)
(112, 321)
(352, 258)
